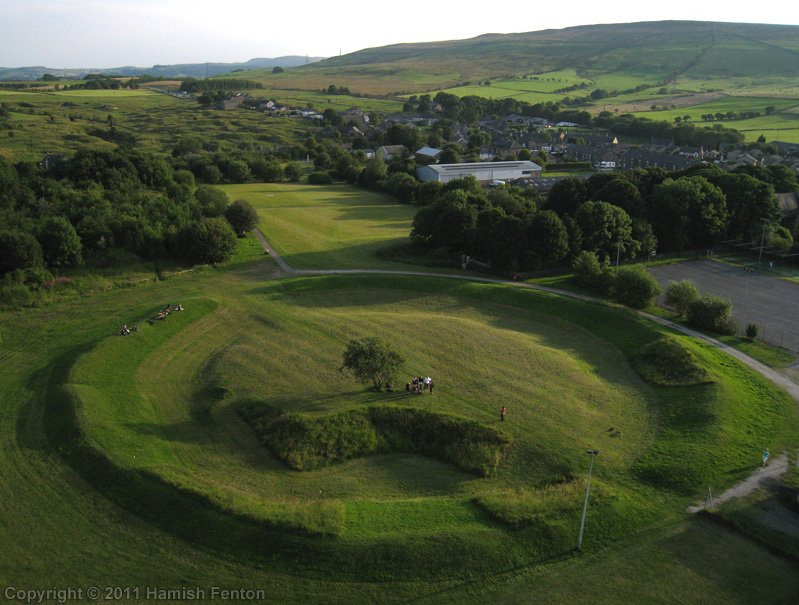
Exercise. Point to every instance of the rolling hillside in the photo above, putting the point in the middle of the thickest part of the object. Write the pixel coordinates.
(648, 52)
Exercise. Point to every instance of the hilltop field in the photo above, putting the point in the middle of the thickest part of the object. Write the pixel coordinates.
(625, 68)
(223, 446)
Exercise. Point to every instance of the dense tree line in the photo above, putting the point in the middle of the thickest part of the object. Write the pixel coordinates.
(193, 85)
(98, 203)
(615, 216)
(211, 164)
(469, 109)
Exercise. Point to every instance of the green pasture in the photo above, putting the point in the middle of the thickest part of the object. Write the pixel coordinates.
(333, 226)
(322, 100)
(381, 79)
(782, 125)
(159, 473)
(43, 122)
(730, 103)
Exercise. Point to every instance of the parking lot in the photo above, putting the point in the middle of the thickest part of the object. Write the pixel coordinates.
(770, 302)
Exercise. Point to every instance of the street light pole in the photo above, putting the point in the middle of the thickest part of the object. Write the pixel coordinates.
(593, 454)
(762, 237)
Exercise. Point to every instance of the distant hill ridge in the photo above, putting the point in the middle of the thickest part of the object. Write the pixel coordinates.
(648, 52)
(182, 70)
(594, 46)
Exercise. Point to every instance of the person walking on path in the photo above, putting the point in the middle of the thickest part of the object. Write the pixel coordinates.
(765, 457)
(430, 386)
(502, 413)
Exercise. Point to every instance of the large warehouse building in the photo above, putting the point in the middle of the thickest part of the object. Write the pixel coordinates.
(485, 172)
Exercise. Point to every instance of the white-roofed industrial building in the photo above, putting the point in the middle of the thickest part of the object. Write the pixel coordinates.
(484, 172)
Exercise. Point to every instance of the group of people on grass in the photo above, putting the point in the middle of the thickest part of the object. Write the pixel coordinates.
(166, 311)
(419, 384)
(126, 331)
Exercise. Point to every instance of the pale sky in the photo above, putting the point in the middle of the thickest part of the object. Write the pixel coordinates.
(113, 33)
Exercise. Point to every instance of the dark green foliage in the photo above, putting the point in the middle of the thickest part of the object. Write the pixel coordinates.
(60, 243)
(687, 212)
(751, 331)
(681, 294)
(374, 174)
(319, 178)
(371, 360)
(712, 313)
(607, 230)
(567, 196)
(666, 362)
(590, 274)
(635, 287)
(210, 240)
(218, 84)
(293, 172)
(269, 171)
(547, 239)
(19, 250)
(241, 216)
(213, 201)
(307, 442)
(403, 187)
(621, 192)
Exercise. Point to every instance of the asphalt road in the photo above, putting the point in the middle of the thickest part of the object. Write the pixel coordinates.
(770, 302)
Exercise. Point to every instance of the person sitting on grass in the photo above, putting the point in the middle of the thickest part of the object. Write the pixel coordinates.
(124, 330)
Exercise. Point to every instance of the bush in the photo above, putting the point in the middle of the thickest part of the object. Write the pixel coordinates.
(680, 295)
(319, 178)
(60, 242)
(712, 313)
(635, 287)
(751, 331)
(241, 216)
(209, 240)
(591, 275)
(293, 172)
(18, 250)
(213, 201)
(666, 362)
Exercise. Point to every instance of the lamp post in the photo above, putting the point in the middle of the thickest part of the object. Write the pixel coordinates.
(593, 454)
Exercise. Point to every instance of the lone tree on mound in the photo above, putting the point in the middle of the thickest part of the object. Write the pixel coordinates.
(371, 360)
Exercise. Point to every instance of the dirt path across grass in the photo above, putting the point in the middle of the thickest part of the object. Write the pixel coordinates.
(762, 477)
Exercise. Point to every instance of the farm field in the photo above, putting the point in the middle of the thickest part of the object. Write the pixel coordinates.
(141, 447)
(322, 100)
(327, 227)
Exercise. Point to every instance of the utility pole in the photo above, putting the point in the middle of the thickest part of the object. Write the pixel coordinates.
(618, 253)
(593, 454)
(762, 237)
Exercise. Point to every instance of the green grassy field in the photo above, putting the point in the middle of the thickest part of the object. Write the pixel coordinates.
(53, 121)
(326, 227)
(159, 473)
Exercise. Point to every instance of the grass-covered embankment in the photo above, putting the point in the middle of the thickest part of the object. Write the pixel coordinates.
(307, 442)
